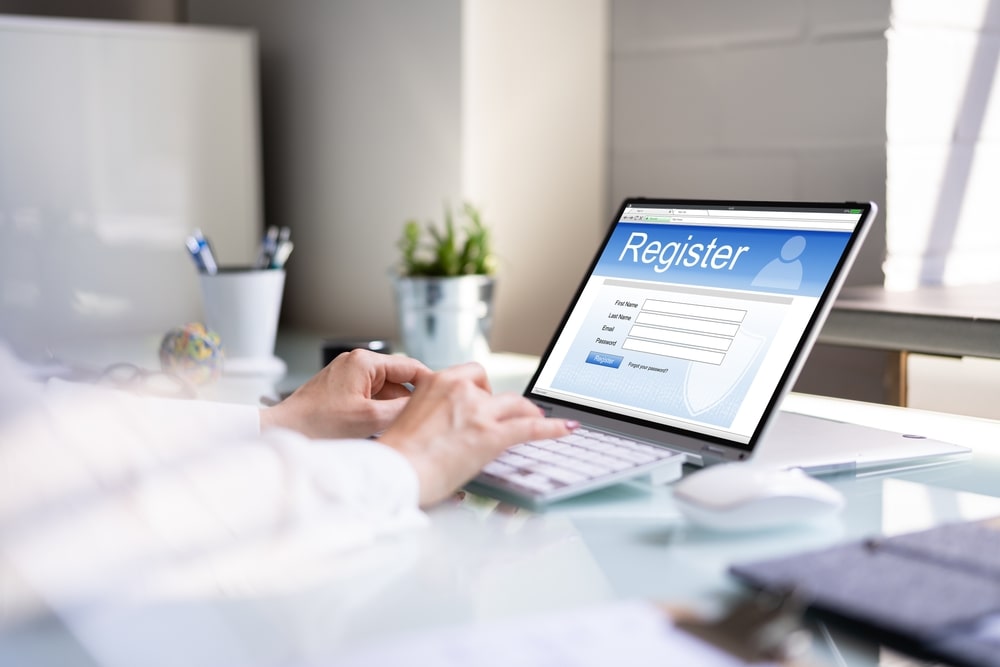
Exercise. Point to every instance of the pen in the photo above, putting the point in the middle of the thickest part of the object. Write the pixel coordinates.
(194, 249)
(205, 253)
(281, 254)
(268, 247)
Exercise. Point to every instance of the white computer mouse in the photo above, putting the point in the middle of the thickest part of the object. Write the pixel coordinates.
(746, 497)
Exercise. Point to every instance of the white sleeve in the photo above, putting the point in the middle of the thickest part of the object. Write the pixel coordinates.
(186, 419)
(189, 491)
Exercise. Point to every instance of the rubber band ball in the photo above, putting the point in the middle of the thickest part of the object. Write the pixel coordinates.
(193, 352)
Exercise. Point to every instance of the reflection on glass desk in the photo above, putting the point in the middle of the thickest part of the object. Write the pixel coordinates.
(481, 561)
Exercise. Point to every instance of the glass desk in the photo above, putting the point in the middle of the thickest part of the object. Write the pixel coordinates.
(479, 561)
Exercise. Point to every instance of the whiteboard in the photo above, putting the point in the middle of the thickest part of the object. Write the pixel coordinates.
(116, 141)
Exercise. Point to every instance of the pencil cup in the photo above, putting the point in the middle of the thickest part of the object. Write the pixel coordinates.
(242, 306)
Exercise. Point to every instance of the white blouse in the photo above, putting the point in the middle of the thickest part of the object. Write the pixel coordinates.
(105, 493)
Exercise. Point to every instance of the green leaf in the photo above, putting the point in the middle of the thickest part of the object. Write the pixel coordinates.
(452, 249)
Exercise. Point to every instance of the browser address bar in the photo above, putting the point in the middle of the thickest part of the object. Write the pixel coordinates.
(838, 224)
(736, 214)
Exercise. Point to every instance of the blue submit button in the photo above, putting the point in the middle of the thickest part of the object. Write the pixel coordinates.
(602, 359)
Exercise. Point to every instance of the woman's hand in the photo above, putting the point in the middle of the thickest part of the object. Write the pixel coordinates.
(357, 395)
(453, 426)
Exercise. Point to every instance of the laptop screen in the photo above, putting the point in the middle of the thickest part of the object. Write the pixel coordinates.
(693, 313)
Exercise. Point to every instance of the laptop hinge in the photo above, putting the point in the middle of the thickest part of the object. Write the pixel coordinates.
(711, 454)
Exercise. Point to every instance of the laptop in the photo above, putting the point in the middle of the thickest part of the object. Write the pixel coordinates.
(688, 329)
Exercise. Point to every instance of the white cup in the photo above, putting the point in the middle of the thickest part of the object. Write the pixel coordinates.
(242, 306)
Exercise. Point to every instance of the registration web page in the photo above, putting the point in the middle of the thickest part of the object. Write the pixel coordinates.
(690, 317)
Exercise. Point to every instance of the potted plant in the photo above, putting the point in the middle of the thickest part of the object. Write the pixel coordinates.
(444, 288)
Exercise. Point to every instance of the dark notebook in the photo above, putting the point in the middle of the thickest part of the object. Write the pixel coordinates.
(934, 594)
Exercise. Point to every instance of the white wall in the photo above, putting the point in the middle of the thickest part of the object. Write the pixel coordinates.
(776, 99)
(534, 151)
(943, 154)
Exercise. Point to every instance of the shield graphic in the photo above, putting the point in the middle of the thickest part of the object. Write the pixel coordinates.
(705, 385)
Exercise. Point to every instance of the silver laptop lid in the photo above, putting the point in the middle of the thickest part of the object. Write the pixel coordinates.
(696, 316)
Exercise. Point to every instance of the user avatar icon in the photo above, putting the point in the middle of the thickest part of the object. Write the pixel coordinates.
(785, 271)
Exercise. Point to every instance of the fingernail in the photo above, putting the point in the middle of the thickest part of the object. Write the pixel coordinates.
(572, 424)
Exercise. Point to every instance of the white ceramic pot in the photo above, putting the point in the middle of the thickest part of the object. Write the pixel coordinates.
(445, 321)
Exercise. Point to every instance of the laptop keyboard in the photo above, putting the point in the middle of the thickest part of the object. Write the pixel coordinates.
(546, 470)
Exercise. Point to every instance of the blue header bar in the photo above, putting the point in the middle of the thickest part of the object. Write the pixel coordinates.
(783, 261)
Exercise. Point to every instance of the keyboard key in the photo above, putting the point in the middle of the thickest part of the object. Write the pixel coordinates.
(498, 468)
(585, 468)
(634, 456)
(581, 459)
(533, 481)
(515, 460)
(560, 474)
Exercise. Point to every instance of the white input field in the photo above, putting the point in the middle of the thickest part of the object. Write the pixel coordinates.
(694, 310)
(688, 324)
(681, 337)
(676, 351)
